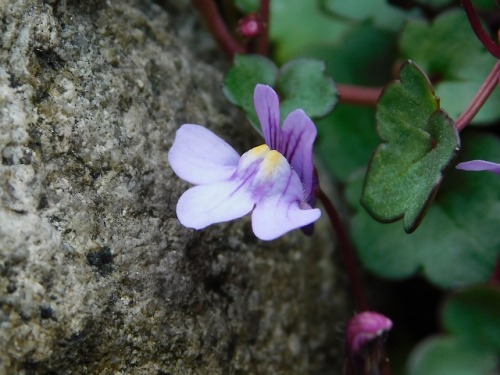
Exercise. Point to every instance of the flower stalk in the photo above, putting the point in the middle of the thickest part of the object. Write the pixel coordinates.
(263, 41)
(347, 250)
(226, 40)
(491, 81)
(480, 32)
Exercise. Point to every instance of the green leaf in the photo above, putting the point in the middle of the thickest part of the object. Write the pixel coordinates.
(419, 141)
(248, 6)
(449, 51)
(380, 12)
(305, 84)
(245, 74)
(363, 56)
(436, 3)
(441, 355)
(298, 24)
(457, 244)
(346, 139)
(474, 315)
(486, 4)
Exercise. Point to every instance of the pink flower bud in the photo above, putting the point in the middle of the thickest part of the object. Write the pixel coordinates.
(250, 26)
(366, 327)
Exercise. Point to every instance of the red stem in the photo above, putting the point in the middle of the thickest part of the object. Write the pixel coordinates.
(347, 252)
(359, 95)
(482, 95)
(263, 41)
(217, 26)
(481, 33)
(495, 278)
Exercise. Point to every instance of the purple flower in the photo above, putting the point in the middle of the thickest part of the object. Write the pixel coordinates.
(276, 181)
(479, 165)
(364, 328)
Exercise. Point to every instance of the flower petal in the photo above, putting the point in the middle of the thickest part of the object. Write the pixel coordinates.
(479, 165)
(201, 157)
(299, 133)
(267, 106)
(278, 214)
(274, 217)
(203, 205)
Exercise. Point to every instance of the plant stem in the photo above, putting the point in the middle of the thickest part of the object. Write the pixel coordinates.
(495, 278)
(229, 44)
(359, 95)
(481, 33)
(263, 41)
(347, 251)
(478, 101)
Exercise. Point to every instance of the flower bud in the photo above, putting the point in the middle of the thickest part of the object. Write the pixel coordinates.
(366, 334)
(250, 26)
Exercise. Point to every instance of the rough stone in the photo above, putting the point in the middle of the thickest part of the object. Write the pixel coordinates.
(96, 274)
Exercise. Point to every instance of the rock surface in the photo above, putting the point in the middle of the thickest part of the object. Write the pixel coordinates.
(96, 274)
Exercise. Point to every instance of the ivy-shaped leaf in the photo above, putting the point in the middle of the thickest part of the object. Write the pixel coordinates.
(473, 314)
(302, 83)
(300, 24)
(457, 244)
(441, 355)
(419, 141)
(239, 83)
(448, 51)
(380, 12)
(346, 139)
(472, 318)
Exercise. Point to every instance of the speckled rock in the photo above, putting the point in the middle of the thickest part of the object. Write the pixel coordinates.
(96, 274)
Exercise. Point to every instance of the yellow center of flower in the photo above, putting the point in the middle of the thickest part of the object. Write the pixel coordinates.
(272, 161)
(259, 151)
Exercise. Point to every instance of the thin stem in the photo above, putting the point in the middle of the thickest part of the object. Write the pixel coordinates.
(263, 41)
(217, 26)
(481, 33)
(347, 252)
(359, 95)
(478, 101)
(495, 278)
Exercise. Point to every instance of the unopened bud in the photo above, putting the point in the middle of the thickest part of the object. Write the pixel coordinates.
(366, 334)
(250, 26)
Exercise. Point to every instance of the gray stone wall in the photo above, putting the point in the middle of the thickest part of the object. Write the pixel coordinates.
(96, 274)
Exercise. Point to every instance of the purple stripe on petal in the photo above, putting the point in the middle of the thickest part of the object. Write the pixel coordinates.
(299, 134)
(267, 106)
(479, 165)
(291, 149)
(278, 214)
(274, 218)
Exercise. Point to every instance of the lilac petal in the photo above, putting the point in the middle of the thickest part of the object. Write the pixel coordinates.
(204, 205)
(199, 156)
(267, 106)
(299, 133)
(479, 165)
(274, 217)
(280, 213)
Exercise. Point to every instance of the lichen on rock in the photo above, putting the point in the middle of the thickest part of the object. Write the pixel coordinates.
(96, 274)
